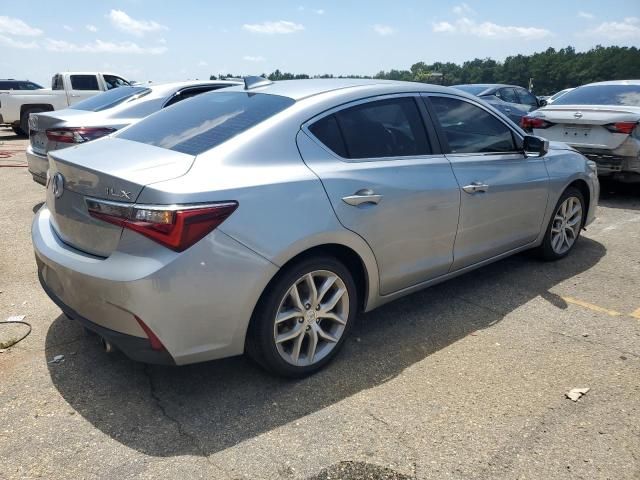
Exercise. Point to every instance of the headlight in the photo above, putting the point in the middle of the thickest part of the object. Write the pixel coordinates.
(593, 166)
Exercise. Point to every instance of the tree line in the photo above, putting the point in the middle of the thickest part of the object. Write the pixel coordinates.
(551, 70)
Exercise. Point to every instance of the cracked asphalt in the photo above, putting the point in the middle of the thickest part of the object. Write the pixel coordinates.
(465, 380)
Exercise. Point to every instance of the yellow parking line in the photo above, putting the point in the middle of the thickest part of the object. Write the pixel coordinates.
(595, 308)
(636, 314)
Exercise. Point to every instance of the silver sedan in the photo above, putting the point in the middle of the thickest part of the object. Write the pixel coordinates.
(262, 218)
(102, 115)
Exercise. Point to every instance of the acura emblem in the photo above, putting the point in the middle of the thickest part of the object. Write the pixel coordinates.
(578, 114)
(57, 185)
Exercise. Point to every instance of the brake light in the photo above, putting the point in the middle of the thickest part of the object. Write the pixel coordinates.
(176, 227)
(77, 135)
(529, 123)
(621, 127)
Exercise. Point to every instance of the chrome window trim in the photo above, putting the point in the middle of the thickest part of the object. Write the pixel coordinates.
(416, 97)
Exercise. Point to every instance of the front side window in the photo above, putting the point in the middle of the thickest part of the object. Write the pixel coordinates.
(378, 129)
(114, 82)
(471, 129)
(84, 82)
(526, 98)
(206, 120)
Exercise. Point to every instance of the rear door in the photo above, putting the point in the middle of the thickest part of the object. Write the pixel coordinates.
(82, 87)
(388, 181)
(503, 192)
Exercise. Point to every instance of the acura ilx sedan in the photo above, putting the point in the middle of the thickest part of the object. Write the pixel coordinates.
(262, 218)
(102, 115)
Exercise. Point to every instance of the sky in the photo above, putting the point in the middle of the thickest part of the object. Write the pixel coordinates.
(175, 40)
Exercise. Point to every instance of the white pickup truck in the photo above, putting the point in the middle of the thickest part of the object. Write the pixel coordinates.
(67, 88)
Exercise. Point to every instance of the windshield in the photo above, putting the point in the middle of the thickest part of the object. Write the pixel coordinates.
(110, 98)
(472, 89)
(628, 95)
(200, 123)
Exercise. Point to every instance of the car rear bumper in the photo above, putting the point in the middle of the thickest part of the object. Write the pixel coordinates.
(198, 302)
(38, 166)
(136, 348)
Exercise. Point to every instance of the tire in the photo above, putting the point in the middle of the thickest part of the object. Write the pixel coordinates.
(17, 130)
(24, 119)
(305, 319)
(562, 220)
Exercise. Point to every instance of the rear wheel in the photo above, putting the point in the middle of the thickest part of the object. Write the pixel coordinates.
(564, 227)
(17, 130)
(303, 318)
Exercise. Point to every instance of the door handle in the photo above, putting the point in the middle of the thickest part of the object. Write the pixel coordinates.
(476, 187)
(363, 196)
(74, 95)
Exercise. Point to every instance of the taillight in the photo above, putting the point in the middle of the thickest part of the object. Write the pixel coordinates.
(77, 135)
(529, 123)
(621, 127)
(176, 227)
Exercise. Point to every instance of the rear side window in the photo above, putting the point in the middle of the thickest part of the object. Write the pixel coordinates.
(602, 95)
(527, 98)
(205, 121)
(508, 95)
(383, 128)
(110, 98)
(470, 129)
(57, 83)
(84, 82)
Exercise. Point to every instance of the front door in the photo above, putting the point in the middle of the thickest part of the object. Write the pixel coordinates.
(503, 192)
(387, 183)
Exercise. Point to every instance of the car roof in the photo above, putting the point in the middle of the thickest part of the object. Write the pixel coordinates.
(614, 82)
(300, 89)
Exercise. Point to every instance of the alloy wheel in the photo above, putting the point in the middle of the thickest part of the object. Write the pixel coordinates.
(566, 225)
(311, 318)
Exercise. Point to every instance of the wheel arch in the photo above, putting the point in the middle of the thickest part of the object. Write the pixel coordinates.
(583, 188)
(47, 107)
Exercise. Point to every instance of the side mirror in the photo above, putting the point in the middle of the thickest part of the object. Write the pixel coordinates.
(535, 146)
(542, 103)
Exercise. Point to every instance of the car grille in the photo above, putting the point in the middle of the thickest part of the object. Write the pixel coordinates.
(611, 163)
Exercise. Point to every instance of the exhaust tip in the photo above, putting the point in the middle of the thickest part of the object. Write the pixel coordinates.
(107, 346)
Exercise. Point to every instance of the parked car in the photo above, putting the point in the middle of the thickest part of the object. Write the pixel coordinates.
(8, 84)
(555, 96)
(262, 218)
(67, 89)
(512, 100)
(600, 120)
(101, 115)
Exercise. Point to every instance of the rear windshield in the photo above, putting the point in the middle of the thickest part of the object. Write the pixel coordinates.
(472, 89)
(110, 98)
(200, 123)
(628, 95)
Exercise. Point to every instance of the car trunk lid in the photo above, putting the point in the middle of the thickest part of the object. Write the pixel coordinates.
(109, 169)
(584, 126)
(39, 123)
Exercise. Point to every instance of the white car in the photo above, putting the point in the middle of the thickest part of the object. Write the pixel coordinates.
(600, 120)
(67, 89)
(101, 115)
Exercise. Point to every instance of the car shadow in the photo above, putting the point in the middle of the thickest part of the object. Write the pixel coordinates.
(205, 408)
(619, 195)
(9, 135)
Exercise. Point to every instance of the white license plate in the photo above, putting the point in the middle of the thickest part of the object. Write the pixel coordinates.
(576, 133)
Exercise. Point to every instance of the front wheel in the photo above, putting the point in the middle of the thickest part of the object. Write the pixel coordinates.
(565, 225)
(303, 318)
